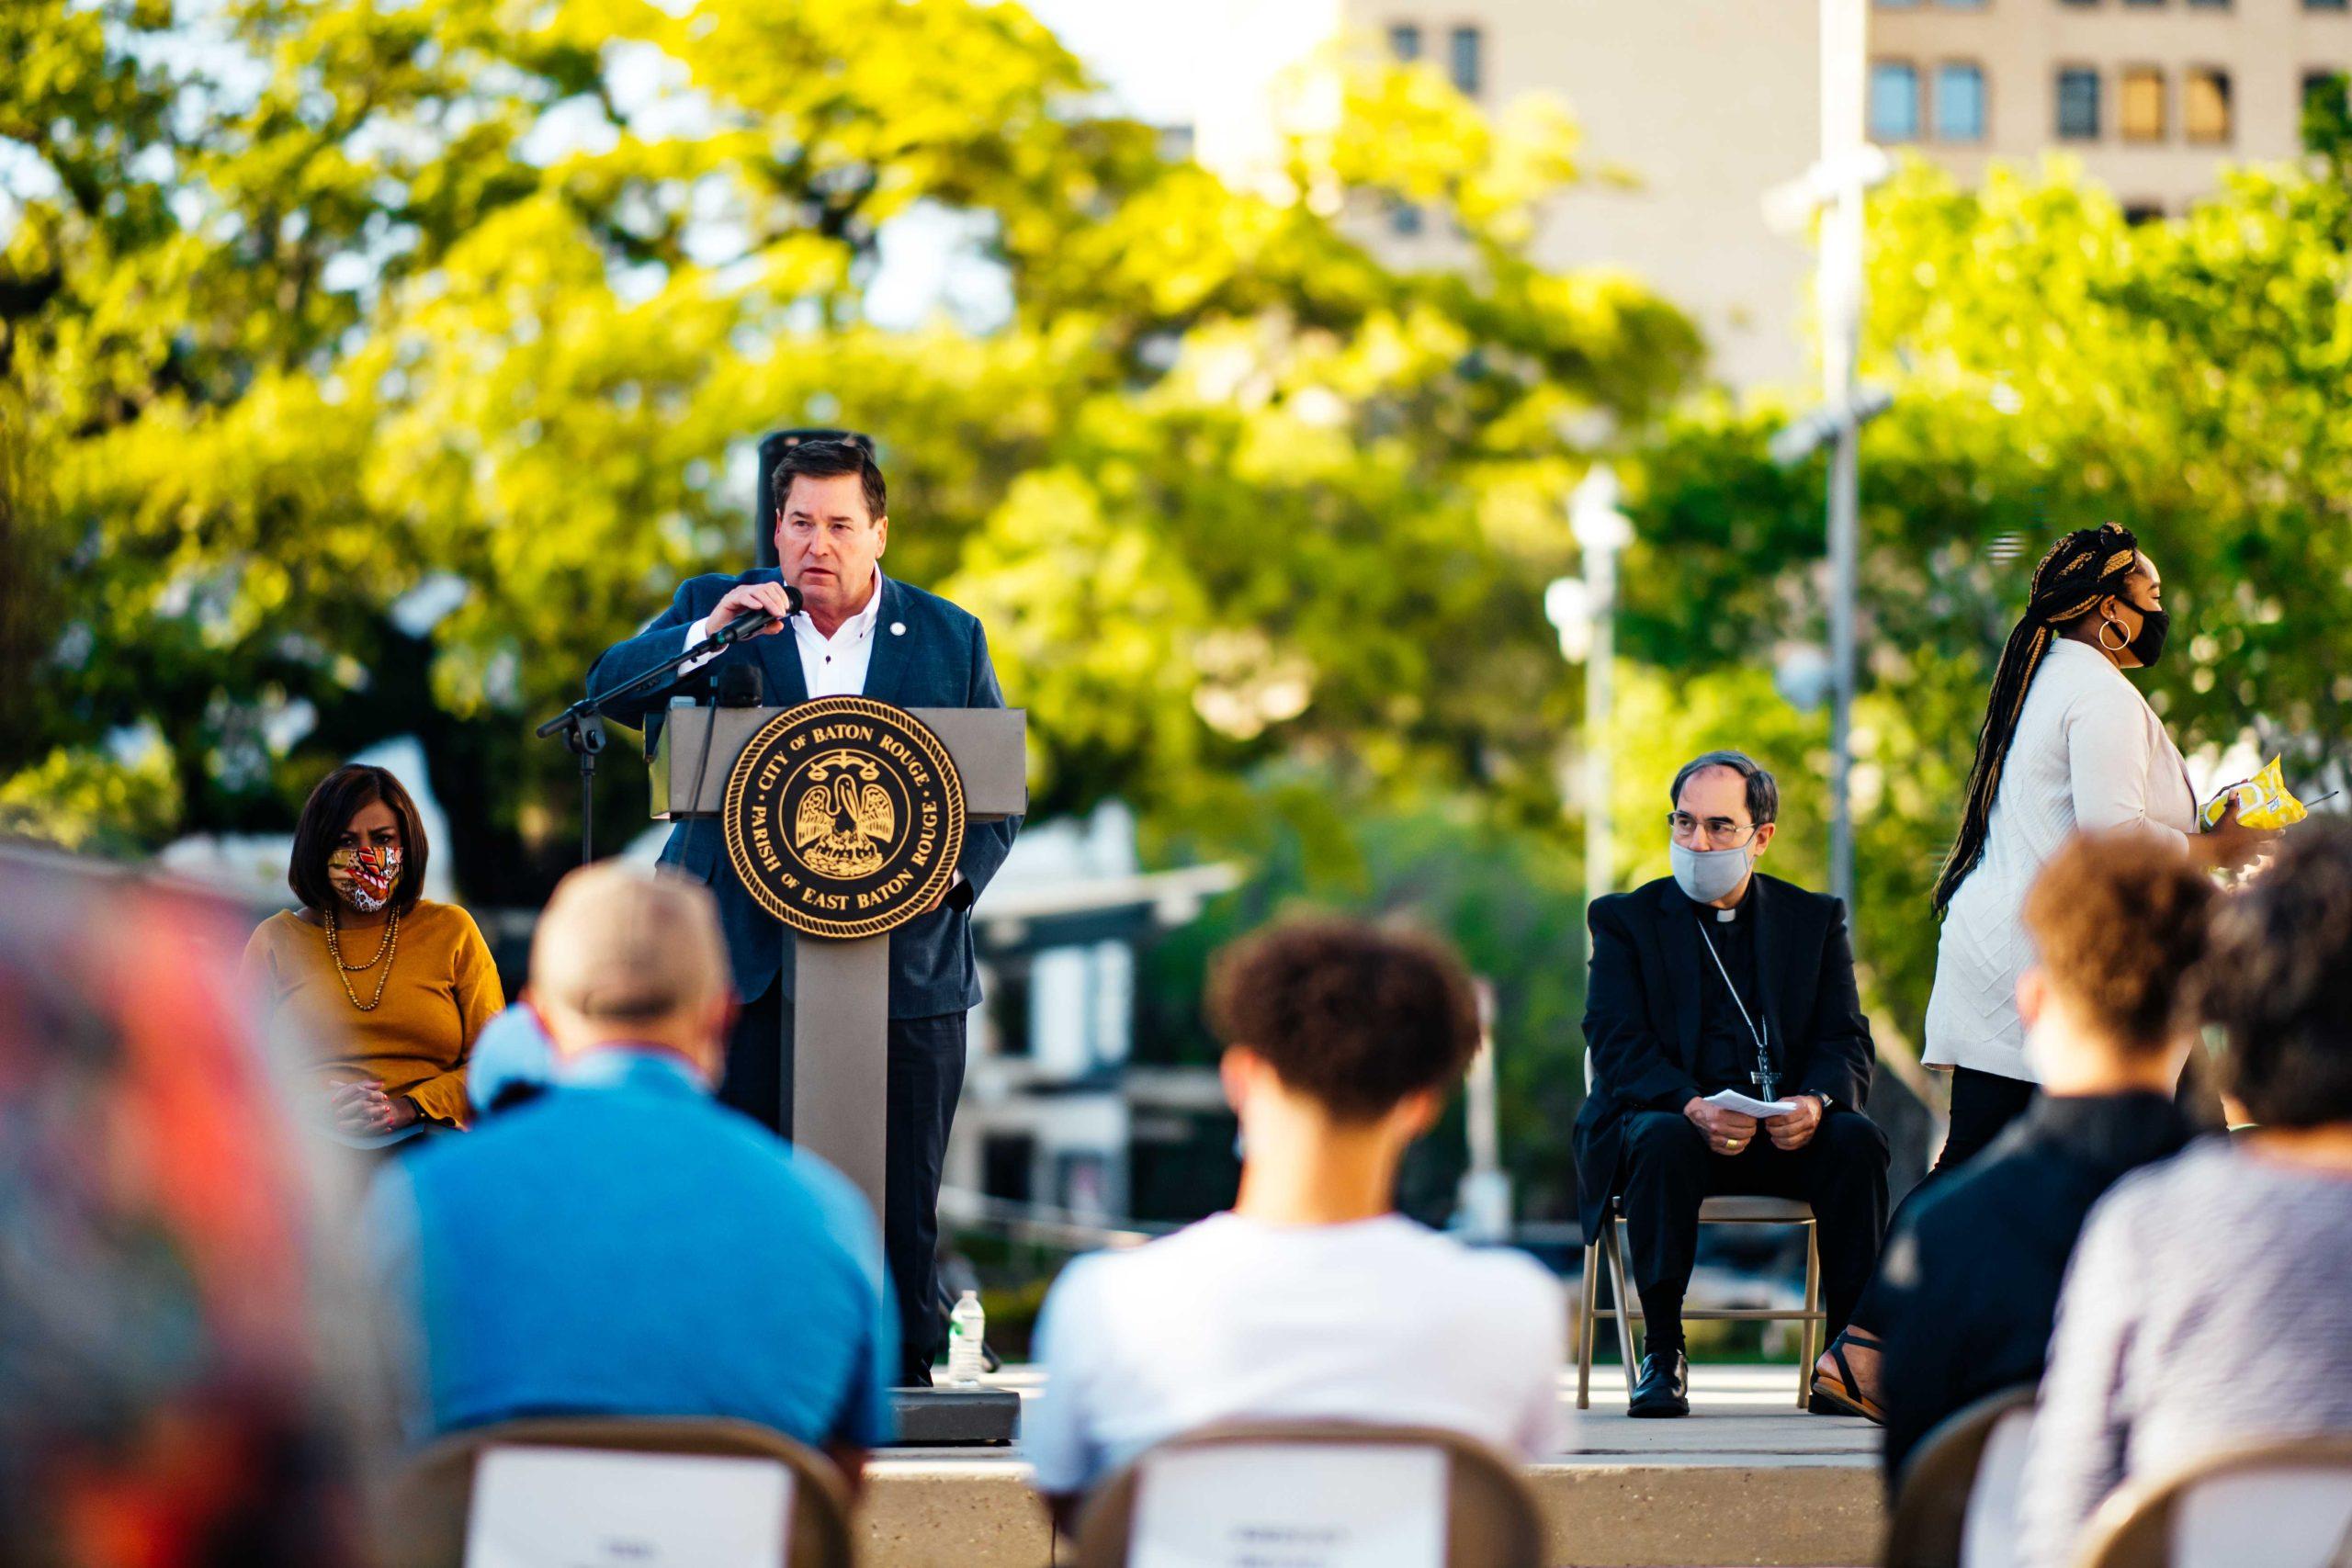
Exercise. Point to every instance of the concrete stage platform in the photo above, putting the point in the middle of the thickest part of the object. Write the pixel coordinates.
(1747, 1479)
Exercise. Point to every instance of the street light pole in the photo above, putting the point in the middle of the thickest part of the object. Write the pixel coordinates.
(1602, 531)
(1840, 303)
(1834, 187)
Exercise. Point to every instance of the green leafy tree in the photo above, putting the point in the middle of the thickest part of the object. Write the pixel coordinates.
(372, 367)
(2054, 366)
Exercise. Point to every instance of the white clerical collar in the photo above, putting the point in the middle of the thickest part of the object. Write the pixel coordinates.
(1724, 917)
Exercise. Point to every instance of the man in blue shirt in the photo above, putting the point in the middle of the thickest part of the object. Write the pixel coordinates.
(624, 1244)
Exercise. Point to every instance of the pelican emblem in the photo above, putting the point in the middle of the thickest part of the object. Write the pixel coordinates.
(844, 823)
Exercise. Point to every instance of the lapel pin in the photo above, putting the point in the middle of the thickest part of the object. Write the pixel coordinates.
(898, 628)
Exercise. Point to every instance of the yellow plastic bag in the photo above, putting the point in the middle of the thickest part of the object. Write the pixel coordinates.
(2264, 801)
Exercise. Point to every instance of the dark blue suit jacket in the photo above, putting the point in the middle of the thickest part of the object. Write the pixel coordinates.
(940, 660)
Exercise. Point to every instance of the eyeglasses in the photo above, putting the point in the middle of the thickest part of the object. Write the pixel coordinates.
(1721, 832)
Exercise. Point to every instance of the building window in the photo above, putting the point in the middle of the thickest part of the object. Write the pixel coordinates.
(1404, 219)
(2325, 90)
(1895, 4)
(1009, 1007)
(2326, 5)
(2209, 4)
(1465, 53)
(1959, 102)
(2144, 104)
(2138, 212)
(1963, 5)
(2144, 2)
(1405, 43)
(2078, 104)
(2205, 106)
(1007, 1165)
(1894, 101)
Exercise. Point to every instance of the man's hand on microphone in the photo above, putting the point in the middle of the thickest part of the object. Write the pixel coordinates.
(773, 597)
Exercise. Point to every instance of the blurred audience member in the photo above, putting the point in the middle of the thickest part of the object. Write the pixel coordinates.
(1971, 1272)
(623, 1245)
(512, 1064)
(2210, 1304)
(161, 1317)
(408, 982)
(1313, 1298)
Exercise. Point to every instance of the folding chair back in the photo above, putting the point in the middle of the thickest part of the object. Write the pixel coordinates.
(1955, 1502)
(432, 1502)
(1487, 1517)
(2283, 1505)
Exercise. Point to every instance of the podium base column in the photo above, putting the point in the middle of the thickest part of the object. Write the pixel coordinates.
(841, 1057)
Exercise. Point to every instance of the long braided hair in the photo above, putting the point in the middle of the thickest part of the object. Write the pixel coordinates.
(2080, 569)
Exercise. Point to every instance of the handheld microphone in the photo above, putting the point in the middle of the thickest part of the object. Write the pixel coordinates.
(751, 623)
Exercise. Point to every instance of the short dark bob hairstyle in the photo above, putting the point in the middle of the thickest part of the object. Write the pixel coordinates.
(2277, 979)
(332, 805)
(1355, 1015)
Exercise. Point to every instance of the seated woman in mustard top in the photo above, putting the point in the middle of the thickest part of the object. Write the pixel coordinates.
(410, 982)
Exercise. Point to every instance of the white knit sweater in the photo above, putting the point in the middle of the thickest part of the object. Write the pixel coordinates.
(2088, 752)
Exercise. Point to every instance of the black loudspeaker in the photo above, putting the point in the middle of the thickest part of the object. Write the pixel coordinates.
(772, 446)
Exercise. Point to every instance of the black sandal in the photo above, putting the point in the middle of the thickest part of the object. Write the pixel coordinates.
(1841, 1395)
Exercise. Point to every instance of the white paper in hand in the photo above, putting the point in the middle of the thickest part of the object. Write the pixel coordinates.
(587, 1507)
(1298, 1505)
(1748, 1105)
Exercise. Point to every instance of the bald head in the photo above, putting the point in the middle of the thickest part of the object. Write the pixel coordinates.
(625, 954)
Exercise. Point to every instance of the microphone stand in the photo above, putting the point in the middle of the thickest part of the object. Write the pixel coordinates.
(582, 724)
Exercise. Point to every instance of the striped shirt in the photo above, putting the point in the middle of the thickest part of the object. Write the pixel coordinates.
(2209, 1306)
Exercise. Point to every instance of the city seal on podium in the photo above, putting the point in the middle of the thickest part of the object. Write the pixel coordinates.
(845, 817)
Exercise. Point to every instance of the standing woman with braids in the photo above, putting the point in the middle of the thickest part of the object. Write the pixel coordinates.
(2068, 744)
(409, 982)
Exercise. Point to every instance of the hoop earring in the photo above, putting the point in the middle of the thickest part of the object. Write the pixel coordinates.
(2103, 625)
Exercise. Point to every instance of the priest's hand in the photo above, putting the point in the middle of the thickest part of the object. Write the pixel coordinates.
(1796, 1129)
(1727, 1132)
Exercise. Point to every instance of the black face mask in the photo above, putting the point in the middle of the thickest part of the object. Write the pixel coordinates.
(2155, 626)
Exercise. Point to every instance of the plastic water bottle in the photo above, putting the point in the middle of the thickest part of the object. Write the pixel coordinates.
(966, 1326)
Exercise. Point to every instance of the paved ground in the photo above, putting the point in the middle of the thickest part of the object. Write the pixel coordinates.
(1748, 1478)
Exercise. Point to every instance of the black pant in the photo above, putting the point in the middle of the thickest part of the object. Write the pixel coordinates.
(1983, 1106)
(925, 1078)
(1668, 1169)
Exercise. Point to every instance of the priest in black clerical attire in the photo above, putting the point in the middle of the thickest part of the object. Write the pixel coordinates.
(1720, 979)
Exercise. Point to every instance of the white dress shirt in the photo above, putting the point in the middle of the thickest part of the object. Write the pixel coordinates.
(833, 666)
(2089, 752)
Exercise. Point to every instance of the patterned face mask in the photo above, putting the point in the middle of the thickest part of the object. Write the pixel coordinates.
(366, 876)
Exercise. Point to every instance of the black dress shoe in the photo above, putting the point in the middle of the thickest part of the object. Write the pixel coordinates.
(1663, 1389)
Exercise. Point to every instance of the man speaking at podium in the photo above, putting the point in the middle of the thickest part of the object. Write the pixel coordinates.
(841, 628)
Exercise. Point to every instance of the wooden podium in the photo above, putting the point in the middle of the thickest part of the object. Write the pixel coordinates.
(841, 986)
(842, 818)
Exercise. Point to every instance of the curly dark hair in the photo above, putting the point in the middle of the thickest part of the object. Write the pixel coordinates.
(2278, 980)
(1354, 1015)
(2118, 923)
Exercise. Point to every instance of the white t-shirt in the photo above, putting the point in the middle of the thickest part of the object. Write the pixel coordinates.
(1380, 1320)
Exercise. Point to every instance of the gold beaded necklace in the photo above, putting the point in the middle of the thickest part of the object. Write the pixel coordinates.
(385, 949)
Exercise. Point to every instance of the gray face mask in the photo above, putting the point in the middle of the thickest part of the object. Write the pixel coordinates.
(1705, 875)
